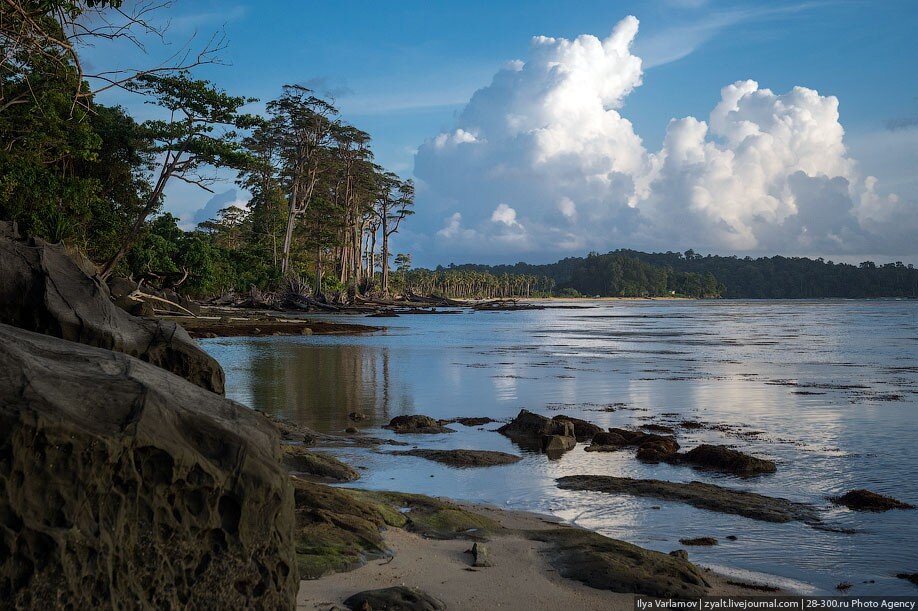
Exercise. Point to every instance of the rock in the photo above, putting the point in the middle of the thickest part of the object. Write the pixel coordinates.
(357, 416)
(467, 421)
(650, 447)
(583, 430)
(913, 577)
(608, 564)
(9, 229)
(697, 494)
(528, 429)
(558, 443)
(126, 486)
(655, 448)
(699, 541)
(481, 556)
(865, 500)
(722, 458)
(351, 430)
(691, 424)
(396, 598)
(463, 458)
(679, 553)
(320, 466)
(417, 424)
(43, 289)
(732, 538)
(337, 529)
(844, 586)
(659, 428)
(120, 287)
(430, 517)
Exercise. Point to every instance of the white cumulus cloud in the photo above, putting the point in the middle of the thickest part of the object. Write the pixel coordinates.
(543, 158)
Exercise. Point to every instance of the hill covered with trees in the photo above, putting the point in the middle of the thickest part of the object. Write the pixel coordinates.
(634, 273)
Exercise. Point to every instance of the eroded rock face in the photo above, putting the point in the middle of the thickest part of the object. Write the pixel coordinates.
(122, 485)
(43, 289)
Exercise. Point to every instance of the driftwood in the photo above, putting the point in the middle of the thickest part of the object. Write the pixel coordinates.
(146, 296)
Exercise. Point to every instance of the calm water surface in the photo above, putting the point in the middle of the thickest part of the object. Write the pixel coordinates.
(828, 389)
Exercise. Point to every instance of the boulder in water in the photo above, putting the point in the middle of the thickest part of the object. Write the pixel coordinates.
(865, 500)
(417, 424)
(722, 458)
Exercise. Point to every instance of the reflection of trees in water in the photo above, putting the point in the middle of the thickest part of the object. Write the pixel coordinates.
(320, 385)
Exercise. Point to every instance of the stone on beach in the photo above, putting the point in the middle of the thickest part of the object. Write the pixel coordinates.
(126, 485)
(396, 598)
(481, 556)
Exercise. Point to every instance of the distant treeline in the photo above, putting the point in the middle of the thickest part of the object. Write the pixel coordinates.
(634, 273)
(611, 275)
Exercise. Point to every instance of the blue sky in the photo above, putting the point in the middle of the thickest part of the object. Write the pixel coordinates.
(405, 70)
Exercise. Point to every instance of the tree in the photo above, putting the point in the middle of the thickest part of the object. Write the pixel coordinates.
(394, 203)
(199, 135)
(402, 262)
(303, 125)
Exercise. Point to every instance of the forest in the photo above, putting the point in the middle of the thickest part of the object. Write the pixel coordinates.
(634, 273)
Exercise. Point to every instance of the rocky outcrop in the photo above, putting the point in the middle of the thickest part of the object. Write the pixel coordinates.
(865, 500)
(650, 446)
(316, 465)
(535, 432)
(122, 485)
(722, 458)
(43, 289)
(396, 598)
(583, 430)
(463, 458)
(698, 494)
(417, 424)
(609, 564)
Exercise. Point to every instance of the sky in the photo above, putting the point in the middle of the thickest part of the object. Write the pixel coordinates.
(538, 130)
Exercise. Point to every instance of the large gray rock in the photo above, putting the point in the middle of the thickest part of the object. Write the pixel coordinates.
(43, 289)
(125, 486)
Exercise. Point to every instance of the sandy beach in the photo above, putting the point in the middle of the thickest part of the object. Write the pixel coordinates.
(521, 577)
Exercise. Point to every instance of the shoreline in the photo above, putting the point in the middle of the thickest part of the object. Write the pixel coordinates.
(521, 576)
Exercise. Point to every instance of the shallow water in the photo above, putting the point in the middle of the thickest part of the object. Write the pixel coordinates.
(828, 389)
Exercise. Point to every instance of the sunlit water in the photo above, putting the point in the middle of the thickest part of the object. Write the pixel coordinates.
(831, 387)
